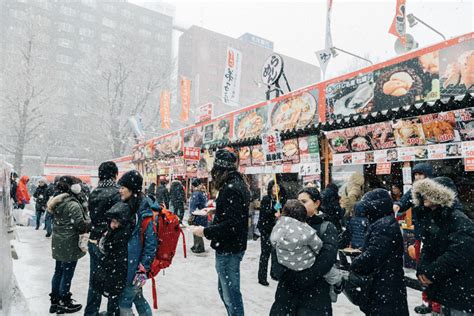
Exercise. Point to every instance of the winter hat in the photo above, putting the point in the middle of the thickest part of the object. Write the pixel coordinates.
(196, 182)
(377, 204)
(120, 211)
(67, 184)
(225, 160)
(132, 180)
(423, 168)
(359, 210)
(447, 182)
(434, 191)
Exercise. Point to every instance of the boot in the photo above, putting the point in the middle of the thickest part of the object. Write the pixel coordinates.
(54, 303)
(423, 309)
(66, 305)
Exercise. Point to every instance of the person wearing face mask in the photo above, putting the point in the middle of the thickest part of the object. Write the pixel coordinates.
(307, 292)
(70, 221)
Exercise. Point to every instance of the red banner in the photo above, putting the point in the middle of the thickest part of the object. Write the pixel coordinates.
(185, 86)
(398, 26)
(192, 153)
(165, 109)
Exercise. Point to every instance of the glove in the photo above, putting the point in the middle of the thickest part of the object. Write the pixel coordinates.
(139, 280)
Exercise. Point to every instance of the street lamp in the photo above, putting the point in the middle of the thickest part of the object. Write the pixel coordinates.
(413, 20)
(334, 54)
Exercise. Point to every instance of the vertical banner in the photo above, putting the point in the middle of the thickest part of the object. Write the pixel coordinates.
(398, 27)
(231, 80)
(185, 89)
(165, 109)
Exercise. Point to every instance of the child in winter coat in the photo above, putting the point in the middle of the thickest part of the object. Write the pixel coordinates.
(111, 275)
(297, 243)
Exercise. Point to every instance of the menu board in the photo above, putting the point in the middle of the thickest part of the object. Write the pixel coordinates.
(457, 69)
(309, 148)
(245, 157)
(258, 158)
(440, 127)
(296, 111)
(217, 131)
(465, 123)
(169, 145)
(381, 135)
(193, 137)
(291, 151)
(191, 168)
(251, 123)
(409, 132)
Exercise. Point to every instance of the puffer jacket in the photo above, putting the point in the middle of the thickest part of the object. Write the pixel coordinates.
(22, 195)
(307, 292)
(447, 255)
(351, 192)
(70, 220)
(382, 257)
(141, 253)
(357, 227)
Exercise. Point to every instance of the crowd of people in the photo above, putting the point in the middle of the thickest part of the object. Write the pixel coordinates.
(301, 237)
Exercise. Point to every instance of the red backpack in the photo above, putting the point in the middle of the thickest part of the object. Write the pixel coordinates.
(168, 234)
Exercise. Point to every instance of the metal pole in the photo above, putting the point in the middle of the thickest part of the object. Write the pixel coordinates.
(430, 27)
(354, 55)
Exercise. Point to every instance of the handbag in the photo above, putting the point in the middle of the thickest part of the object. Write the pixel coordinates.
(357, 288)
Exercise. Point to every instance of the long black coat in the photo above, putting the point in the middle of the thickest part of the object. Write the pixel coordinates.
(41, 196)
(177, 196)
(307, 291)
(163, 195)
(382, 256)
(101, 200)
(229, 229)
(267, 218)
(331, 207)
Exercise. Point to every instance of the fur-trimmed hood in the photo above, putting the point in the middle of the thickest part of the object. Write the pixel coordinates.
(433, 191)
(55, 201)
(356, 178)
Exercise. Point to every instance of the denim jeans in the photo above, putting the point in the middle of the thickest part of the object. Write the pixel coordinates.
(133, 295)
(62, 278)
(48, 220)
(228, 274)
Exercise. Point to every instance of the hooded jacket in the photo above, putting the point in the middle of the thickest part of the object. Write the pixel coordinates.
(357, 226)
(177, 196)
(228, 232)
(22, 195)
(110, 277)
(351, 192)
(382, 257)
(447, 256)
(70, 220)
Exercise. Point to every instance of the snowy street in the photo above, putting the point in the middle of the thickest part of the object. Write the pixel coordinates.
(189, 286)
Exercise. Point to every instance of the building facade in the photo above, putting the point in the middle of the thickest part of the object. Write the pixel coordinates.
(202, 59)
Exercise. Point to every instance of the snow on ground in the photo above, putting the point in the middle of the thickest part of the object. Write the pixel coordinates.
(188, 287)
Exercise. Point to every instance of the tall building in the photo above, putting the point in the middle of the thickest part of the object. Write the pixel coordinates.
(71, 33)
(202, 59)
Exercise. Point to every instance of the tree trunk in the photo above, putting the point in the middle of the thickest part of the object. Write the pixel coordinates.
(19, 149)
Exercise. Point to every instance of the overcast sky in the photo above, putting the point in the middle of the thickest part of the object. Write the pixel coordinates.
(297, 28)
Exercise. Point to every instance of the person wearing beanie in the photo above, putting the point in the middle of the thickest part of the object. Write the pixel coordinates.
(41, 198)
(140, 253)
(447, 256)
(307, 292)
(382, 257)
(162, 193)
(101, 199)
(420, 171)
(70, 221)
(198, 202)
(228, 234)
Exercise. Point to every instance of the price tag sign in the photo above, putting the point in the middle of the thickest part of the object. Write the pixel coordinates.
(383, 168)
(192, 153)
(272, 146)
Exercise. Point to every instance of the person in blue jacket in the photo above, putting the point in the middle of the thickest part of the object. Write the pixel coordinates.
(198, 202)
(140, 252)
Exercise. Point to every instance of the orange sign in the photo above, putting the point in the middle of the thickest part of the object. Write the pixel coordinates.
(165, 109)
(398, 26)
(469, 164)
(383, 168)
(185, 85)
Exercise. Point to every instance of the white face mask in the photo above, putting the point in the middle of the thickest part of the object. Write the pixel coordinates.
(76, 188)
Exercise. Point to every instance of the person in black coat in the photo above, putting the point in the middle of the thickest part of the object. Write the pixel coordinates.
(110, 277)
(13, 188)
(382, 257)
(228, 232)
(101, 200)
(42, 197)
(307, 292)
(331, 207)
(151, 191)
(177, 198)
(162, 194)
(266, 220)
(447, 256)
